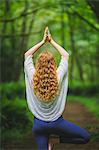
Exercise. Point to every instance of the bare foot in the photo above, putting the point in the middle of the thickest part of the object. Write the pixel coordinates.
(53, 141)
(50, 145)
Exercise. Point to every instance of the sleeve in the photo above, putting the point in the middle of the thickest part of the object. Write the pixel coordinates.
(29, 67)
(62, 68)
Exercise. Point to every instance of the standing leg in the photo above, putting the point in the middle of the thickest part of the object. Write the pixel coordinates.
(72, 133)
(42, 141)
(41, 138)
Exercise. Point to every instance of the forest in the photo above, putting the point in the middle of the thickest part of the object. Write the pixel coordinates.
(74, 24)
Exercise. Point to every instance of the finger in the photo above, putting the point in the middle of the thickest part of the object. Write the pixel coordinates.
(46, 30)
(47, 27)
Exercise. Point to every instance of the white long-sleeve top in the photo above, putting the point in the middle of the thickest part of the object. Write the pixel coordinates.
(41, 110)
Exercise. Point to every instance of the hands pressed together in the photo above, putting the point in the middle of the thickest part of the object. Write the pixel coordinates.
(47, 36)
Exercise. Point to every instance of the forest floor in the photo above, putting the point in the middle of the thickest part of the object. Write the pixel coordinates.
(74, 112)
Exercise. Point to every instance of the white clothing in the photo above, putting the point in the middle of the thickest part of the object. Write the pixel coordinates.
(52, 110)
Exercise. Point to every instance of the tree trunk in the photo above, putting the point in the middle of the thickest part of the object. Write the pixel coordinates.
(74, 52)
(3, 61)
(19, 58)
(62, 26)
(94, 4)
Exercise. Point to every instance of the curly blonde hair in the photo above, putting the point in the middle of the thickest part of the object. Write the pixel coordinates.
(45, 80)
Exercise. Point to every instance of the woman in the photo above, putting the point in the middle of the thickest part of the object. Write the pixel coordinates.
(46, 91)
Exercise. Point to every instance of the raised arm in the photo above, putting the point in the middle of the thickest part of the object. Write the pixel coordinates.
(38, 45)
(61, 50)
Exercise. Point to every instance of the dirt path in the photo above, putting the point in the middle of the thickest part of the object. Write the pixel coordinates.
(75, 113)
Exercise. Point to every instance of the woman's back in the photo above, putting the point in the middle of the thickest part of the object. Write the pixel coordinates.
(52, 110)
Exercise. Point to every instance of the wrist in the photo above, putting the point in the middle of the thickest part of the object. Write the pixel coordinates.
(43, 41)
(51, 40)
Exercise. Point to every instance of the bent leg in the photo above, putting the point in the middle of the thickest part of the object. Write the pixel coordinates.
(72, 133)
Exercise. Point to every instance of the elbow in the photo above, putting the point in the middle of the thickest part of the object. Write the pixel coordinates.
(26, 54)
(66, 56)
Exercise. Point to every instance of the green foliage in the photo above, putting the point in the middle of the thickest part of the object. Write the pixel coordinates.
(84, 89)
(15, 116)
(95, 136)
(12, 90)
(17, 89)
(13, 134)
(22, 24)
